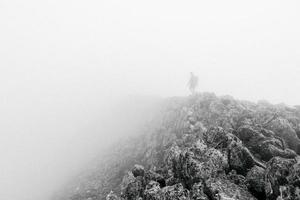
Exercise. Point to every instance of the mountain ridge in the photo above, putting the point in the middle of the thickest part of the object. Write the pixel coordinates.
(201, 147)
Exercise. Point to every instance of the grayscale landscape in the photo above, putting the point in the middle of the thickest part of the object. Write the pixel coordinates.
(158, 100)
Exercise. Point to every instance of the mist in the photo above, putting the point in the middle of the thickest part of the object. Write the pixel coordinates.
(70, 69)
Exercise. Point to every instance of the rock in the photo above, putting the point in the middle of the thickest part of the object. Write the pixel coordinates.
(256, 182)
(138, 170)
(187, 169)
(153, 176)
(263, 143)
(172, 155)
(132, 187)
(282, 128)
(175, 192)
(294, 177)
(196, 164)
(198, 128)
(199, 147)
(249, 136)
(187, 140)
(217, 137)
(197, 192)
(248, 151)
(289, 193)
(269, 149)
(276, 175)
(153, 191)
(298, 131)
(214, 162)
(240, 158)
(237, 178)
(112, 196)
(192, 119)
(222, 189)
(172, 181)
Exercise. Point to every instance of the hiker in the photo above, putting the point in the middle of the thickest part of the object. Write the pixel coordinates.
(193, 83)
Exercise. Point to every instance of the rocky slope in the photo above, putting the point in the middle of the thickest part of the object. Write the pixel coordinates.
(202, 147)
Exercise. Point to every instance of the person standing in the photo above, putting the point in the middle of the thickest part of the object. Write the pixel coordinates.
(193, 83)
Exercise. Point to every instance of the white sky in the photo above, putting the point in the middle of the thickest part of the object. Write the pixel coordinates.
(62, 58)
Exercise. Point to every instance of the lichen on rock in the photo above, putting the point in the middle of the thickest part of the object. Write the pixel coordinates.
(205, 147)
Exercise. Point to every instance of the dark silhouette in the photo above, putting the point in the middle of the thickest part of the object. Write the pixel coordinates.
(193, 83)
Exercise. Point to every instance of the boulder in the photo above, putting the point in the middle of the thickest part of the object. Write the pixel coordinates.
(217, 137)
(132, 187)
(153, 191)
(223, 189)
(198, 163)
(289, 192)
(276, 175)
(197, 192)
(240, 158)
(294, 177)
(175, 192)
(283, 128)
(138, 170)
(269, 149)
(237, 178)
(153, 176)
(263, 143)
(255, 181)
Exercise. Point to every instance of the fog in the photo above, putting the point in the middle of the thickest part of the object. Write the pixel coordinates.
(67, 67)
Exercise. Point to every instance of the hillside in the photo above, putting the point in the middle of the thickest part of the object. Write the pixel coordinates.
(201, 147)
